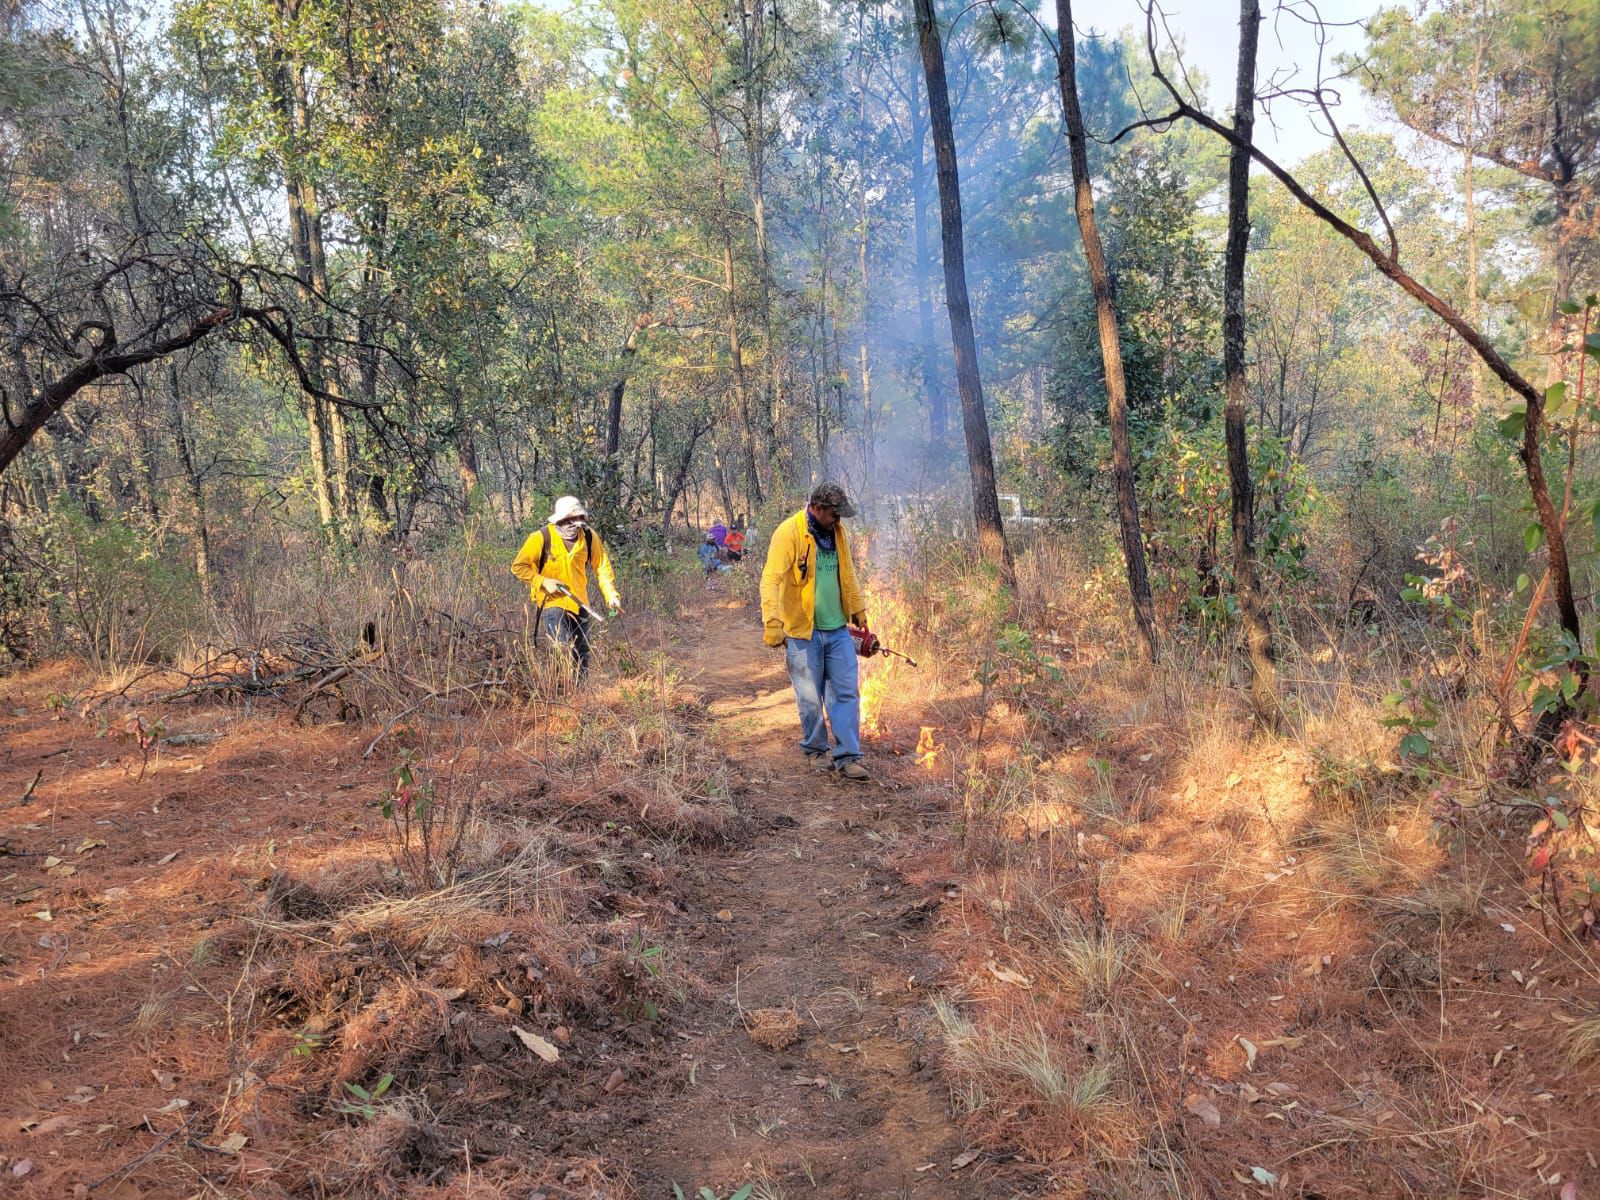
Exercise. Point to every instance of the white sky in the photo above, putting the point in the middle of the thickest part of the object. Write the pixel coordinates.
(1209, 31)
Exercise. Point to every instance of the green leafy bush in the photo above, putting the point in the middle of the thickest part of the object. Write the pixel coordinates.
(105, 588)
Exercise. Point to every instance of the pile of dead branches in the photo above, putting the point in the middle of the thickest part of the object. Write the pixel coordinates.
(406, 658)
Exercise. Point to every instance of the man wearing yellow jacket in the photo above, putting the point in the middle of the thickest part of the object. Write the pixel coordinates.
(809, 595)
(558, 557)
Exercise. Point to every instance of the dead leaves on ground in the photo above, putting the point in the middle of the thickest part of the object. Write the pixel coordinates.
(544, 1049)
(1007, 975)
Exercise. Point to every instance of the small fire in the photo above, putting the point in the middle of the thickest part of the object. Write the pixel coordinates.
(872, 693)
(876, 673)
(927, 748)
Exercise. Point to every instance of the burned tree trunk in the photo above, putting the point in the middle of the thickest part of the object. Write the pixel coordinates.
(1144, 613)
(980, 455)
(1388, 264)
(1257, 632)
(932, 388)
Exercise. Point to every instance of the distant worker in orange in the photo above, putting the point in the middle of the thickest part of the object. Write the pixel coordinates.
(809, 597)
(554, 562)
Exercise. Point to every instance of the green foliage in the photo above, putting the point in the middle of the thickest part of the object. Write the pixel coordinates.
(1414, 714)
(1185, 493)
(108, 586)
(1555, 676)
(706, 1193)
(1168, 299)
(365, 1104)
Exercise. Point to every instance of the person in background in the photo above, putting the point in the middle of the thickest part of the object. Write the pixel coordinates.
(710, 558)
(734, 545)
(554, 562)
(809, 595)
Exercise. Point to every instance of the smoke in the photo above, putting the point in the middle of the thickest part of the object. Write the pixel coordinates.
(872, 158)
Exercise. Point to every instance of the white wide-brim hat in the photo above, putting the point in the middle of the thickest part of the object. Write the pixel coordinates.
(568, 506)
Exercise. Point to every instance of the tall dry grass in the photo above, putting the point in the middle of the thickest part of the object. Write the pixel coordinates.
(1123, 831)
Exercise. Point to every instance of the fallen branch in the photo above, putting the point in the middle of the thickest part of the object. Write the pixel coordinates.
(127, 1168)
(328, 680)
(254, 685)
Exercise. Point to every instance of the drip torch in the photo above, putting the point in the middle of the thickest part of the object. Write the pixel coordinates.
(867, 644)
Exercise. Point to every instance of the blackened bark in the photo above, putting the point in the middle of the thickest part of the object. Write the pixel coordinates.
(103, 361)
(932, 388)
(630, 349)
(192, 481)
(980, 454)
(1257, 631)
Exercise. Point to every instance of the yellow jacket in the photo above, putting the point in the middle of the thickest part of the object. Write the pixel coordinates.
(789, 581)
(570, 567)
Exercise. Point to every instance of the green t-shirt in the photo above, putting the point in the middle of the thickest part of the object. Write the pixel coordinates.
(830, 607)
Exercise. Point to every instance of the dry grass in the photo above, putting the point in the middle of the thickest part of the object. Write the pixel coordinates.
(1091, 963)
(1581, 1042)
(529, 882)
(1291, 890)
(1001, 1064)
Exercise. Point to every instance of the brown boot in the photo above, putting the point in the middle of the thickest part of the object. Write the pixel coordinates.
(854, 771)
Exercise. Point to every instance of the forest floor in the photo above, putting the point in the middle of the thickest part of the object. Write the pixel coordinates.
(699, 963)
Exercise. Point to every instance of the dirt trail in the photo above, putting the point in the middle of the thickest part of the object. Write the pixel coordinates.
(804, 917)
(119, 953)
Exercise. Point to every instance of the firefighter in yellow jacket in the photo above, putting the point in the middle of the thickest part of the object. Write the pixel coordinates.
(554, 562)
(809, 596)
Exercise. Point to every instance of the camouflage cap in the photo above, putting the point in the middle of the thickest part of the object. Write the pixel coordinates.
(833, 495)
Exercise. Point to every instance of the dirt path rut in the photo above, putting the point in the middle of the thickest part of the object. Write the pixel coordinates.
(803, 917)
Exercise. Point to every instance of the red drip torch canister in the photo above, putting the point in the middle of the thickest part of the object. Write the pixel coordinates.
(867, 643)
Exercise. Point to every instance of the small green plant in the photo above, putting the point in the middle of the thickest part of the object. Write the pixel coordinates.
(306, 1043)
(1415, 714)
(655, 961)
(145, 735)
(1559, 676)
(427, 816)
(706, 1193)
(1444, 553)
(365, 1104)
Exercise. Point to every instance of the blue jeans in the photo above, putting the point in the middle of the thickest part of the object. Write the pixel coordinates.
(570, 631)
(823, 671)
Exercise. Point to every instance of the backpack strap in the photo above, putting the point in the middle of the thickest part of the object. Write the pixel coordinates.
(550, 532)
(544, 549)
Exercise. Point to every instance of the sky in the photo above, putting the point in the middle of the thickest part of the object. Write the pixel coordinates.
(1209, 32)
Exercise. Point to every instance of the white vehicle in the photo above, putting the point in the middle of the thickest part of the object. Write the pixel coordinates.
(1011, 513)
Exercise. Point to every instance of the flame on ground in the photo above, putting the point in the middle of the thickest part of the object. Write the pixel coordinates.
(872, 694)
(927, 748)
(887, 614)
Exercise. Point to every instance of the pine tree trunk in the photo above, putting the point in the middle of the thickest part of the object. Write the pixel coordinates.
(1246, 582)
(1144, 613)
(741, 383)
(192, 483)
(1470, 203)
(932, 389)
(969, 384)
